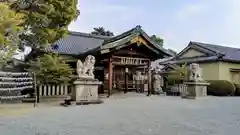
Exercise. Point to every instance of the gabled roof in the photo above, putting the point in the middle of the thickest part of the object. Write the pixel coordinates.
(123, 39)
(213, 53)
(197, 47)
(227, 53)
(76, 43)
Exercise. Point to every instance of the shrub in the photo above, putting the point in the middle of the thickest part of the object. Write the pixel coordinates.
(178, 75)
(51, 68)
(220, 88)
(170, 81)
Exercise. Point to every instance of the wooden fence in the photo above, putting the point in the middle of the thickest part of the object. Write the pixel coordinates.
(54, 90)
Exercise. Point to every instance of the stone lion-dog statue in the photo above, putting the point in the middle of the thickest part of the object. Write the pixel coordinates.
(85, 69)
(195, 72)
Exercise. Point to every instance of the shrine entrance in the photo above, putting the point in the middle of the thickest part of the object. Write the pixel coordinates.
(124, 74)
(124, 78)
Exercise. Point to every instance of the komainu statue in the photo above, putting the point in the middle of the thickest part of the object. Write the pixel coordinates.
(85, 69)
(157, 79)
(195, 72)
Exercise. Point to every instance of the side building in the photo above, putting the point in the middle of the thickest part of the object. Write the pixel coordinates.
(217, 62)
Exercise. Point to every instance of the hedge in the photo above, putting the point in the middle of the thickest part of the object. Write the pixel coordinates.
(237, 91)
(220, 88)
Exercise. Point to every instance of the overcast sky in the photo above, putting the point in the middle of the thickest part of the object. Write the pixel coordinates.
(177, 21)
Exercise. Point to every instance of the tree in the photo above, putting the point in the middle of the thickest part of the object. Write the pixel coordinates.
(157, 40)
(51, 68)
(101, 31)
(179, 73)
(46, 20)
(9, 30)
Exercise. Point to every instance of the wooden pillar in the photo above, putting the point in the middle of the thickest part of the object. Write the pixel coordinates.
(126, 80)
(110, 72)
(165, 83)
(36, 90)
(149, 79)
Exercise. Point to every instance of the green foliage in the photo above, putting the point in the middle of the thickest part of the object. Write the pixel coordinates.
(51, 68)
(46, 20)
(173, 81)
(179, 73)
(9, 30)
(220, 88)
(170, 81)
(101, 31)
(157, 40)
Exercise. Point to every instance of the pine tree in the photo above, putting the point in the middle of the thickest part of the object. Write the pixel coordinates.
(179, 73)
(52, 68)
(157, 40)
(101, 31)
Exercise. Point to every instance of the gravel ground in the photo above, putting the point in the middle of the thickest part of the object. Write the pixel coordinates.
(132, 116)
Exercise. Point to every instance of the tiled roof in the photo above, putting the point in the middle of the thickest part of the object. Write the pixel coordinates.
(190, 60)
(219, 52)
(227, 53)
(76, 43)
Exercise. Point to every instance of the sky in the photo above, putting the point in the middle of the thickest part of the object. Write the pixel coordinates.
(176, 21)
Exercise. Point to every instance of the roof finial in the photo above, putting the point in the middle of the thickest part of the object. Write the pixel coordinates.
(138, 27)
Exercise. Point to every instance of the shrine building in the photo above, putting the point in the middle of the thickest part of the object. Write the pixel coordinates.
(117, 58)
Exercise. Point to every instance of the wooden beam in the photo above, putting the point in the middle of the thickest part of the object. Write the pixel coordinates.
(110, 72)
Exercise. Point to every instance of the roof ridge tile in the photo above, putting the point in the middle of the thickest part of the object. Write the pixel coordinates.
(88, 35)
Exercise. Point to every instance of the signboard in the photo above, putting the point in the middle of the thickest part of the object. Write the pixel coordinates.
(130, 61)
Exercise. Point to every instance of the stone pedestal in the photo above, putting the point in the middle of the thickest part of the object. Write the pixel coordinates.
(196, 89)
(86, 91)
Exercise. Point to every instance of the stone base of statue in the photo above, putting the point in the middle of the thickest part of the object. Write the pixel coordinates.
(161, 93)
(195, 89)
(158, 90)
(85, 91)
